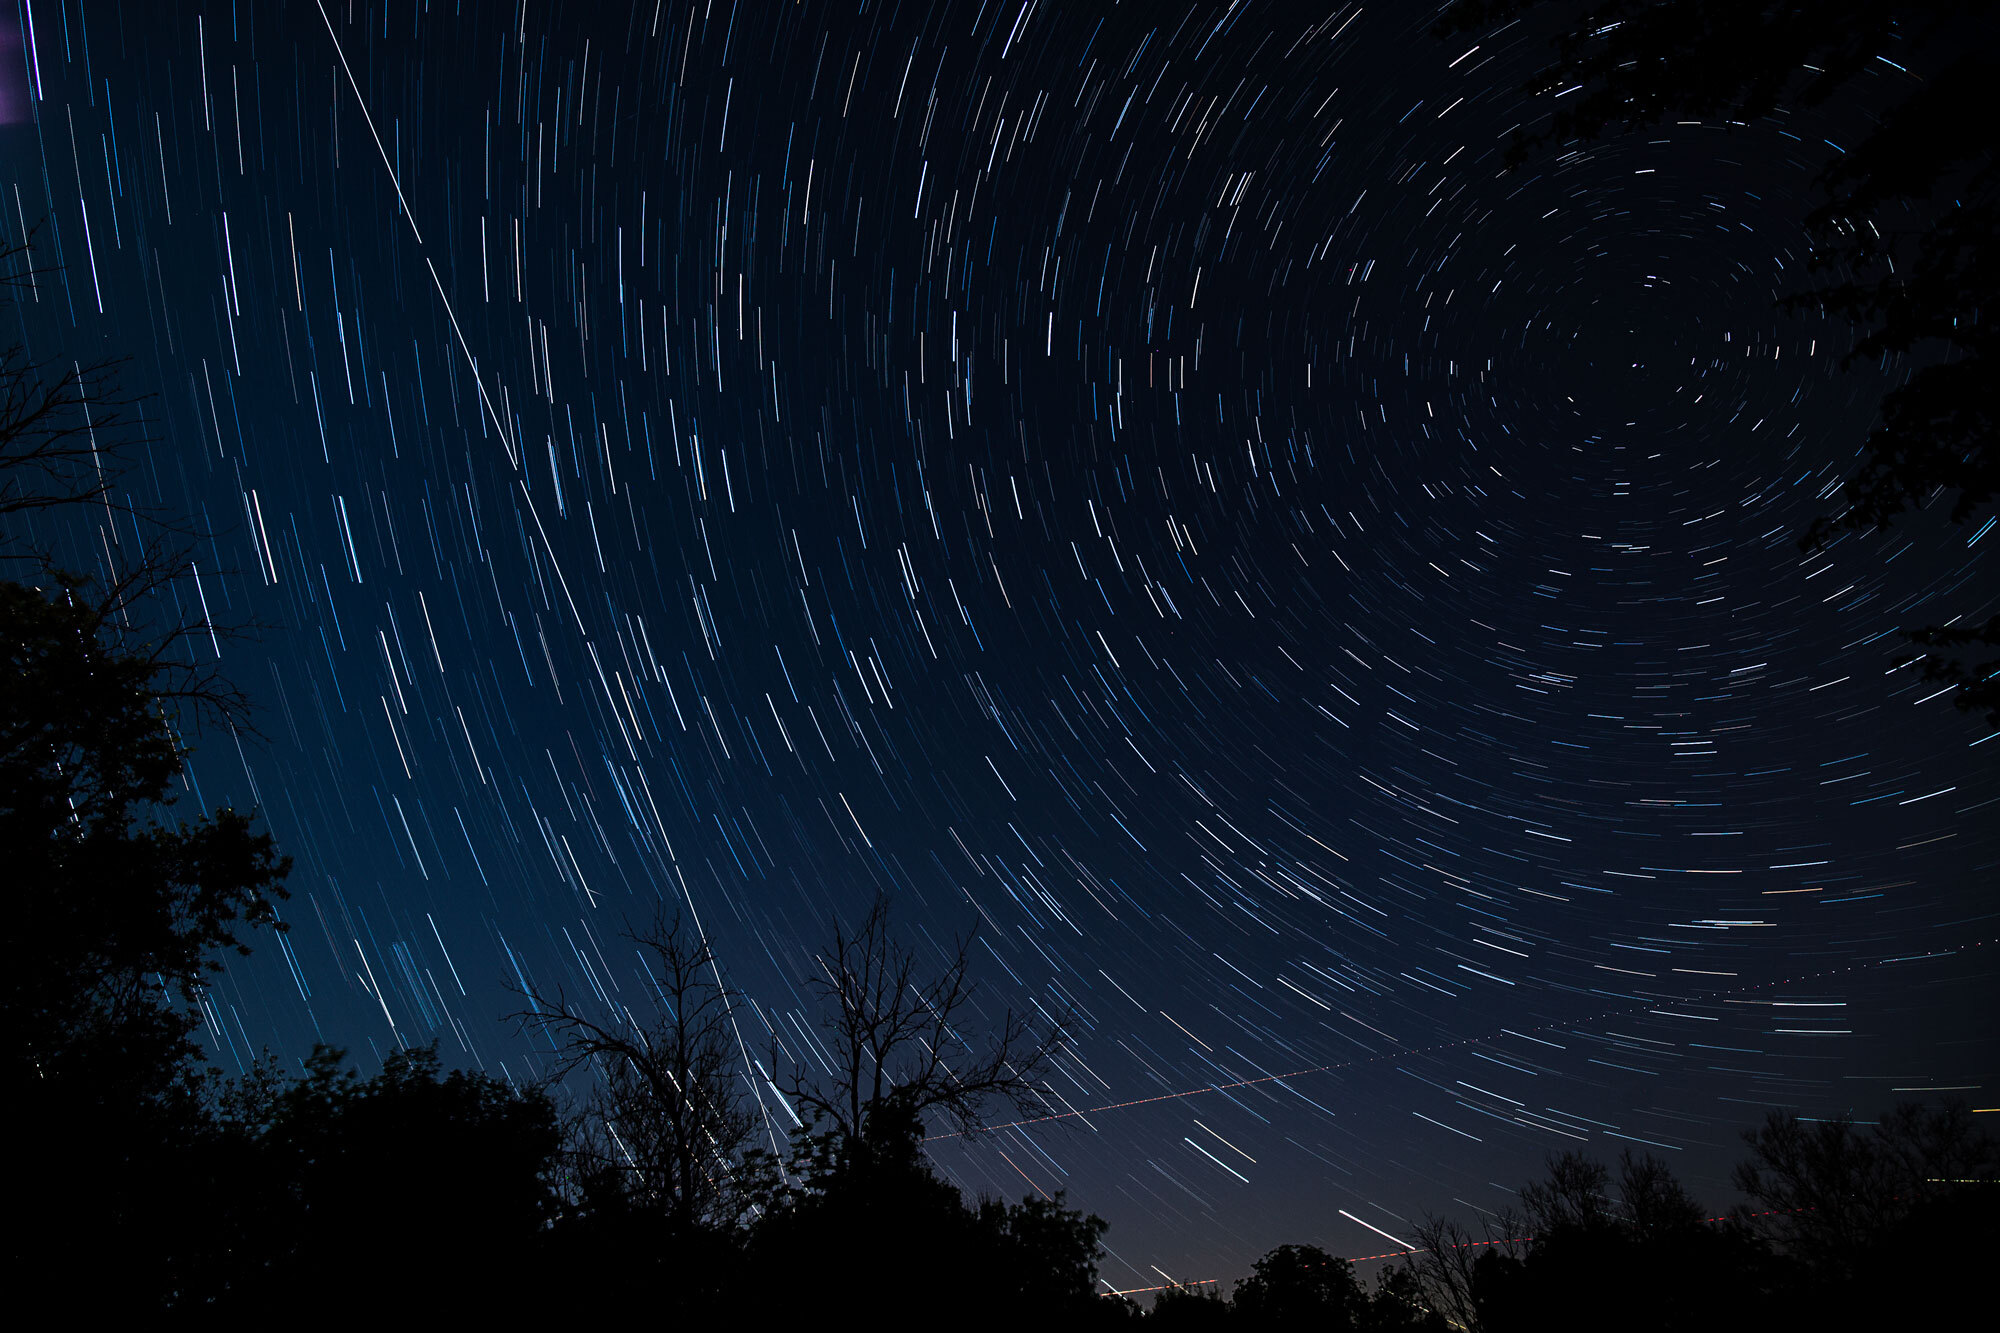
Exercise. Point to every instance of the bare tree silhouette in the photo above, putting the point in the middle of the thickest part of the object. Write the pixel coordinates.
(1829, 1191)
(61, 422)
(665, 1123)
(897, 1032)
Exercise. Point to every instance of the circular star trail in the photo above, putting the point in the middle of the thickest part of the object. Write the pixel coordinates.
(1149, 483)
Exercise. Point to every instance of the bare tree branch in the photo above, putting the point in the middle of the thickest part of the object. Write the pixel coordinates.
(664, 1118)
(895, 1032)
(67, 431)
(1444, 1270)
(51, 416)
(1830, 1190)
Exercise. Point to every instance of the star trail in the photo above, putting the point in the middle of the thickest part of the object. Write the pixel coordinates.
(1146, 482)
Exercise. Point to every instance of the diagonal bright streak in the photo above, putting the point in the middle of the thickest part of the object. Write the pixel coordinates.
(1377, 1230)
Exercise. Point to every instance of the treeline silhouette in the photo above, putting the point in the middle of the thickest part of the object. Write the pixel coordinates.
(646, 1177)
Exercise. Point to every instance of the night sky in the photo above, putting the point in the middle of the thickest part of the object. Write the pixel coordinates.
(1143, 480)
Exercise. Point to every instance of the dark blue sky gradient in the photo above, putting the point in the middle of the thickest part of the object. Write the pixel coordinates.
(1139, 480)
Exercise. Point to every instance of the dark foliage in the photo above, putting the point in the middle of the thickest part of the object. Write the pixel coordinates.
(117, 910)
(419, 1185)
(1633, 1251)
(149, 1188)
(1851, 1228)
(1299, 1287)
(1194, 1309)
(869, 1209)
(1850, 1204)
(1303, 1287)
(122, 902)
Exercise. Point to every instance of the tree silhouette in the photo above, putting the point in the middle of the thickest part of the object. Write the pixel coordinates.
(665, 1123)
(902, 1044)
(64, 427)
(897, 1033)
(1574, 1195)
(1447, 1263)
(1046, 1257)
(1191, 1308)
(423, 1187)
(1589, 1246)
(1849, 1226)
(1832, 1193)
(116, 913)
(1300, 1287)
(1905, 231)
(655, 1180)
(1303, 1287)
(1400, 1305)
(870, 1207)
(118, 906)
(122, 906)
